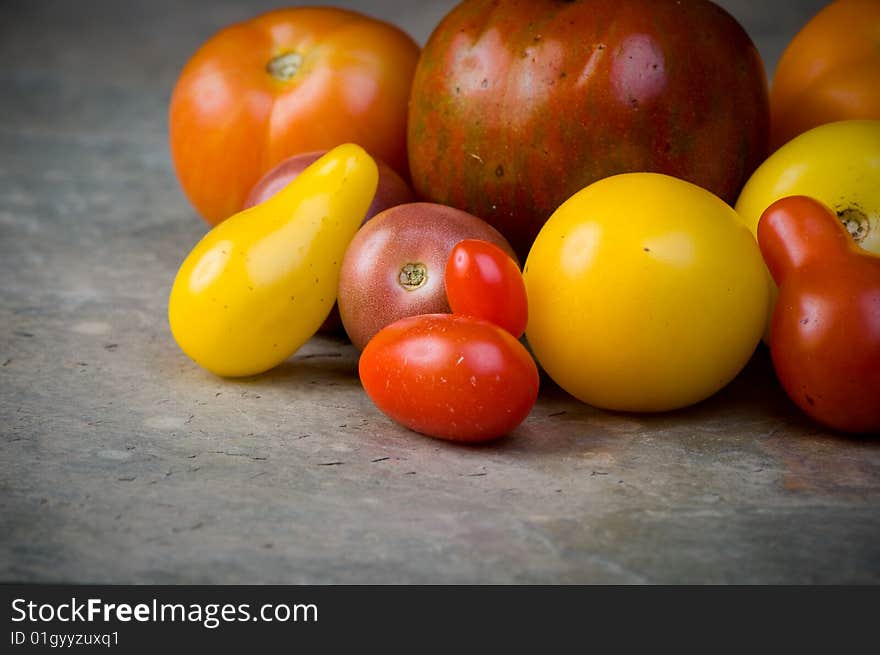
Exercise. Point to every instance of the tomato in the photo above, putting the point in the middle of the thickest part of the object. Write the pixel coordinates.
(518, 105)
(839, 164)
(829, 72)
(451, 377)
(646, 293)
(825, 332)
(260, 284)
(396, 264)
(483, 281)
(289, 81)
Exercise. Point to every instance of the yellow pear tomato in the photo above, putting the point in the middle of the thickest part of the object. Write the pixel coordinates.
(260, 284)
(646, 293)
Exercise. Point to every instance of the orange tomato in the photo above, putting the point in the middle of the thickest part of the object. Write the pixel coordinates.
(829, 72)
(289, 81)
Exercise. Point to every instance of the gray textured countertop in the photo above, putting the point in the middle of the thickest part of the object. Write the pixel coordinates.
(121, 461)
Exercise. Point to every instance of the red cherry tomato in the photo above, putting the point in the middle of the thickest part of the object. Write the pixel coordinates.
(449, 376)
(483, 281)
(825, 330)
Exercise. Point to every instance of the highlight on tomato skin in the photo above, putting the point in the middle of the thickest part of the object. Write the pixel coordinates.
(448, 376)
(483, 281)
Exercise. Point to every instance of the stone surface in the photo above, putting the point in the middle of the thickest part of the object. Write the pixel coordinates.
(121, 461)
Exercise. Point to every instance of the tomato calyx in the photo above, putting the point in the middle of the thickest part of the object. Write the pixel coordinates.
(285, 66)
(413, 276)
(856, 222)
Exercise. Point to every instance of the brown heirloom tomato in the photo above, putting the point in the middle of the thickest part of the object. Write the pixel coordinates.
(451, 377)
(518, 105)
(396, 264)
(289, 81)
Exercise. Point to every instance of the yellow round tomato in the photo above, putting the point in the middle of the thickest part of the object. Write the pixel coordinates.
(838, 164)
(259, 285)
(646, 293)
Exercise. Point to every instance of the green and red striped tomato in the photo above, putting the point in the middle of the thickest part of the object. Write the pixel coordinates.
(516, 106)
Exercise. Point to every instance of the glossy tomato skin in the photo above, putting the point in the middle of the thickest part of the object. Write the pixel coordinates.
(395, 265)
(290, 81)
(518, 105)
(258, 286)
(825, 330)
(646, 294)
(450, 377)
(483, 281)
(829, 72)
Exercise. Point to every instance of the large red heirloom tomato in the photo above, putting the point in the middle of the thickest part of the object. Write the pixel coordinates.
(518, 104)
(289, 81)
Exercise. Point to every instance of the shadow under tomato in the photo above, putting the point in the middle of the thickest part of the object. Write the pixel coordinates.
(327, 361)
(754, 393)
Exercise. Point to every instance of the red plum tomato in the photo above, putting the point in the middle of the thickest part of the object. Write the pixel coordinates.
(451, 377)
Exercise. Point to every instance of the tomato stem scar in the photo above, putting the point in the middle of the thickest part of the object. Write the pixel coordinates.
(856, 223)
(413, 276)
(284, 66)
